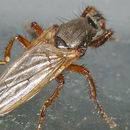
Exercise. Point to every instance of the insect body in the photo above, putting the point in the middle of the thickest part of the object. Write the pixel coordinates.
(54, 50)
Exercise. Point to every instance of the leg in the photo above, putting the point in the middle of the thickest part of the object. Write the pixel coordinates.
(85, 72)
(22, 40)
(60, 80)
(38, 30)
(101, 39)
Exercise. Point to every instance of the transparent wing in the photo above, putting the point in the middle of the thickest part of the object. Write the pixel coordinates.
(28, 74)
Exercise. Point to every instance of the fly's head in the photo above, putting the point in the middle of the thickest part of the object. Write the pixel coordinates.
(81, 31)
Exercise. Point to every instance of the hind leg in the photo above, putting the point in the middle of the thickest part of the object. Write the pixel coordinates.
(21, 39)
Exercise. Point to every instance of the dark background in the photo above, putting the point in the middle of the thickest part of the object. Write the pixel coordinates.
(109, 66)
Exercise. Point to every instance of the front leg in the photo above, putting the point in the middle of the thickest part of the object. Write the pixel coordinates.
(85, 72)
(101, 39)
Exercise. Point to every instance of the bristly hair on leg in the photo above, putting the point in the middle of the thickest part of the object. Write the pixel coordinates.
(83, 65)
(32, 35)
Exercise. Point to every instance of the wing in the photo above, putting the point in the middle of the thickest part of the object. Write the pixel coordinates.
(29, 73)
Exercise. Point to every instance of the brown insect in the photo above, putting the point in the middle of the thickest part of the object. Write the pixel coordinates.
(53, 51)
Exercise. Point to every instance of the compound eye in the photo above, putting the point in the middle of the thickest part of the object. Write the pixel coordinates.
(60, 43)
(91, 22)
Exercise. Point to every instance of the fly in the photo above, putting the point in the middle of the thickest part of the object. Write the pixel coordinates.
(53, 51)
